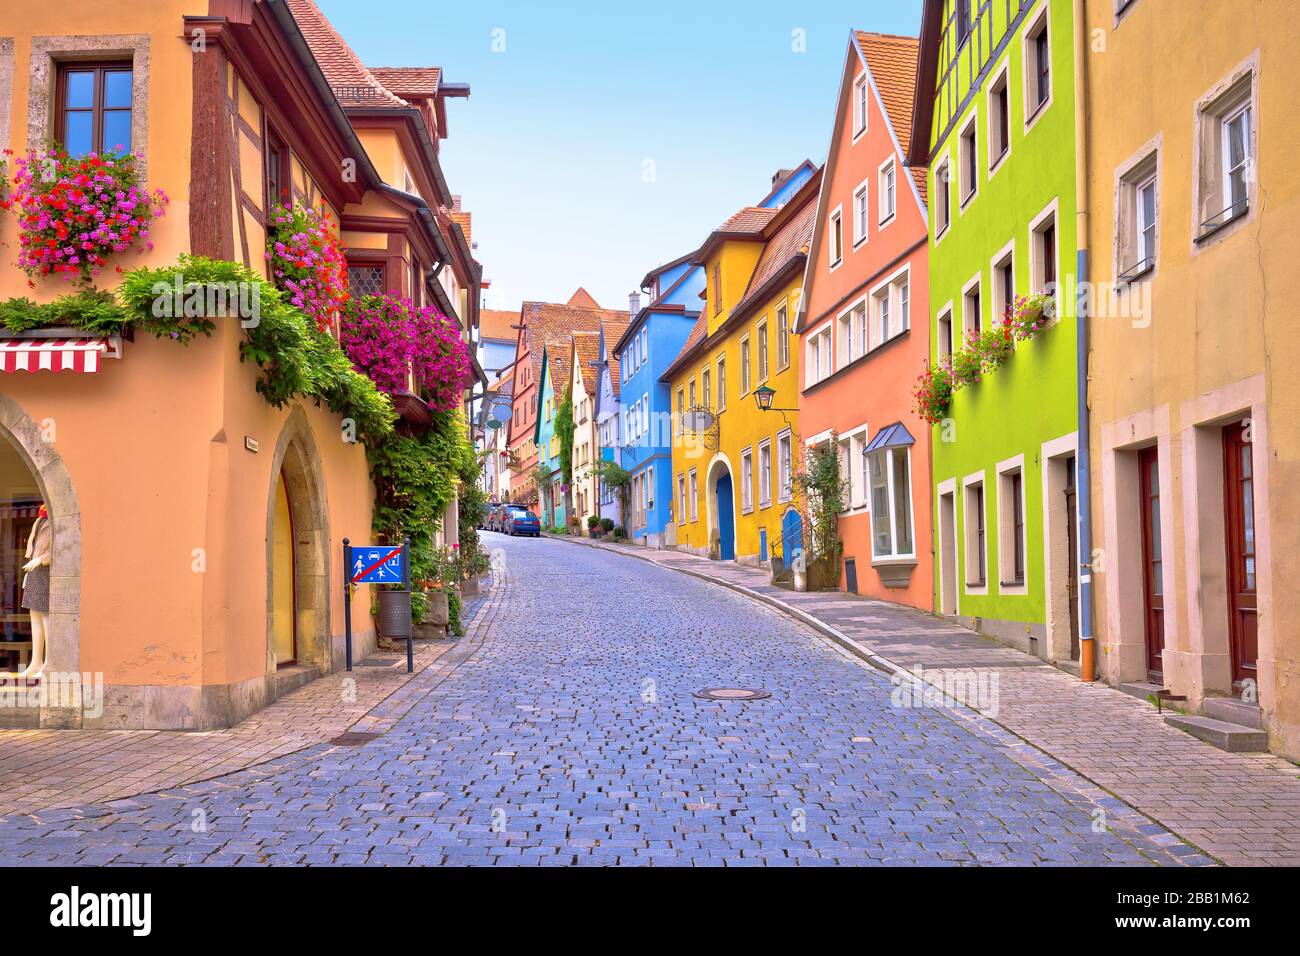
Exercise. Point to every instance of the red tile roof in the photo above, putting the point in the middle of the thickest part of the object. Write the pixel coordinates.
(892, 61)
(352, 83)
(586, 345)
(750, 220)
(497, 324)
(550, 326)
(790, 240)
(414, 81)
(582, 299)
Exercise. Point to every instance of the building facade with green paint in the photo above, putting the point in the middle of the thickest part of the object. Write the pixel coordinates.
(551, 493)
(1001, 159)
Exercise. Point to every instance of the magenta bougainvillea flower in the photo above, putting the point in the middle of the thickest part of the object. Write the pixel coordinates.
(307, 262)
(76, 211)
(391, 341)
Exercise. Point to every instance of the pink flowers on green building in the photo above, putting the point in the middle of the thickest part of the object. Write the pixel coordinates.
(394, 342)
(75, 212)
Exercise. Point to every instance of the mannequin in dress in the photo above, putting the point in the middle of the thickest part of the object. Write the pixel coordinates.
(36, 588)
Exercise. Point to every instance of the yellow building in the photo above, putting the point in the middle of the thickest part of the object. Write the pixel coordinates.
(733, 463)
(1194, 437)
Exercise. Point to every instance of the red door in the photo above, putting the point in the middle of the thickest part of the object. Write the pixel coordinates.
(1152, 564)
(1239, 507)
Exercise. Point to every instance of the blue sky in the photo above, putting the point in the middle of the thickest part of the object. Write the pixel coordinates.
(552, 152)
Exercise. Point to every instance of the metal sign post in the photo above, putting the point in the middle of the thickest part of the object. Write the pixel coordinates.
(347, 601)
(379, 564)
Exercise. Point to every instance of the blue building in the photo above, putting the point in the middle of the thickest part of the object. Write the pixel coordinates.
(652, 341)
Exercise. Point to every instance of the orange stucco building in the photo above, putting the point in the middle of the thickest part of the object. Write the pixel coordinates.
(168, 479)
(866, 279)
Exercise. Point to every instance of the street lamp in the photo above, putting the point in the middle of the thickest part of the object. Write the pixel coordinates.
(763, 396)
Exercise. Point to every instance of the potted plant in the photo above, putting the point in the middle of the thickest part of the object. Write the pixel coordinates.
(593, 526)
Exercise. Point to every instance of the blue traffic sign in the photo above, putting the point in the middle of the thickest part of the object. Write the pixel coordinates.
(377, 564)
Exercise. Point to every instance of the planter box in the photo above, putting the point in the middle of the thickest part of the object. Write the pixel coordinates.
(469, 587)
(436, 615)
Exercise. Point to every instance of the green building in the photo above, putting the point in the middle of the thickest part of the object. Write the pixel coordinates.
(1001, 160)
(551, 495)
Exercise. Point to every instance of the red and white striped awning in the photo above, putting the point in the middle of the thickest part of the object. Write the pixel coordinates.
(52, 355)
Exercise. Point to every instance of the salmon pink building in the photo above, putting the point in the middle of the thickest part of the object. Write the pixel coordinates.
(866, 279)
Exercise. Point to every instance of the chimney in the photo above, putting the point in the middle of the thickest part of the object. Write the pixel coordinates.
(780, 176)
(633, 304)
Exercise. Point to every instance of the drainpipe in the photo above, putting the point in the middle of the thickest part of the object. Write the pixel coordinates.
(1083, 464)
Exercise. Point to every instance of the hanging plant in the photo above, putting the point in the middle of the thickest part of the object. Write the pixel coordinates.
(1030, 314)
(934, 393)
(391, 341)
(307, 262)
(75, 212)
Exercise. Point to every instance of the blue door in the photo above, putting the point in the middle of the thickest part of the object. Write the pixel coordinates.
(791, 536)
(726, 519)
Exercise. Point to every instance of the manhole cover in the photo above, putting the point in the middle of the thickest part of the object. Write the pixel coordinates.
(354, 739)
(732, 693)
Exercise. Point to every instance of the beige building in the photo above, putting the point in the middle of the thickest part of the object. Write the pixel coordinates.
(1195, 443)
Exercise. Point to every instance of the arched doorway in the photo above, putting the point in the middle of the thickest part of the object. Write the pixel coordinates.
(37, 466)
(297, 553)
(791, 537)
(22, 632)
(284, 585)
(724, 509)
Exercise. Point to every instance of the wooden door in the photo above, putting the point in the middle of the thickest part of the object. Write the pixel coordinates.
(1152, 563)
(1072, 546)
(1239, 514)
(283, 580)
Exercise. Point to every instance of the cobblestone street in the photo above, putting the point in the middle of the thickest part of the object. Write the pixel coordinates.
(567, 731)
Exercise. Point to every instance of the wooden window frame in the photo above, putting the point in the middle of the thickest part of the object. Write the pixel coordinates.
(100, 68)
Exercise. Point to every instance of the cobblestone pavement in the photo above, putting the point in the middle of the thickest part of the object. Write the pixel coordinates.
(563, 729)
(1241, 808)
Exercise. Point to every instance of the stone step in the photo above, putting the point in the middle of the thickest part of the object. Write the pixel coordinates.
(1233, 738)
(1140, 689)
(1234, 711)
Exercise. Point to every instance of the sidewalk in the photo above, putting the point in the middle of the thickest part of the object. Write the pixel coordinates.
(49, 769)
(1243, 809)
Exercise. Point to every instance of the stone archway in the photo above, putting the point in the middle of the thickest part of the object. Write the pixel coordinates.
(298, 457)
(721, 522)
(63, 642)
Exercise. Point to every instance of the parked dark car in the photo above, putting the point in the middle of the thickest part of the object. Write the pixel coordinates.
(522, 521)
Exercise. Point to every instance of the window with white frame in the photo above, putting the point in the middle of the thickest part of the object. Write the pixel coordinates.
(690, 389)
(761, 332)
(889, 475)
(835, 236)
(1004, 284)
(785, 466)
(860, 214)
(970, 309)
(695, 496)
(765, 474)
(747, 480)
(893, 305)
(844, 335)
(645, 413)
(819, 355)
(1225, 173)
(999, 117)
(782, 337)
(888, 189)
(943, 202)
(1011, 527)
(858, 469)
(1038, 67)
(842, 453)
(1136, 232)
(722, 383)
(650, 486)
(968, 157)
(681, 499)
(706, 384)
(860, 106)
(1043, 253)
(976, 553)
(744, 366)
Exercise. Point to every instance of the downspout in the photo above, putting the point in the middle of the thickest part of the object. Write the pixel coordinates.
(1083, 463)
